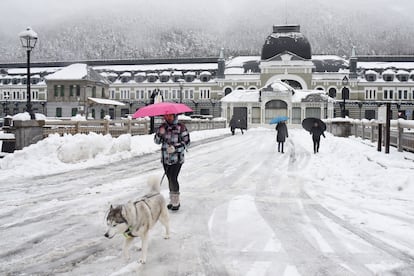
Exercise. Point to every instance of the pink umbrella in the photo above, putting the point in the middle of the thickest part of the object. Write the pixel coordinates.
(160, 109)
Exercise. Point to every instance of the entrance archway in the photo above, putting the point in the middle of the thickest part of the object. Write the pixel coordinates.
(275, 108)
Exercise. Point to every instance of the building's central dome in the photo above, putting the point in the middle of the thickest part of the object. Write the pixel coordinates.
(286, 38)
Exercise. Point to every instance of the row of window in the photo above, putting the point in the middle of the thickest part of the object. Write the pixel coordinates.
(19, 95)
(389, 77)
(19, 81)
(387, 93)
(75, 111)
(173, 94)
(154, 78)
(164, 77)
(74, 90)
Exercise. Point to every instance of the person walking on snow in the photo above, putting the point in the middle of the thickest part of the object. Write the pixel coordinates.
(174, 139)
(316, 132)
(236, 123)
(282, 134)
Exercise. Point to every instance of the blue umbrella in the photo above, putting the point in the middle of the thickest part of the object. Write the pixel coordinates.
(278, 119)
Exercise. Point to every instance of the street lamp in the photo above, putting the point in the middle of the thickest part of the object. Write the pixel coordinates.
(345, 94)
(154, 94)
(181, 83)
(6, 106)
(360, 110)
(28, 38)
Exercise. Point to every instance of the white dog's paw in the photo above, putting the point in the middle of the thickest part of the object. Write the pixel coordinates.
(166, 237)
(142, 261)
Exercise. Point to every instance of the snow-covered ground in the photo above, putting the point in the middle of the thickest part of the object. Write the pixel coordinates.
(246, 209)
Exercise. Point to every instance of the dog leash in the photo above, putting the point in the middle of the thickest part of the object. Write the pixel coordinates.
(162, 178)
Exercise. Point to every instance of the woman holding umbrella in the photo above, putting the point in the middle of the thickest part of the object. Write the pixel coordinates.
(316, 132)
(282, 134)
(316, 127)
(174, 139)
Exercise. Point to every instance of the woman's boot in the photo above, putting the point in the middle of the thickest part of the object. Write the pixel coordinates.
(175, 201)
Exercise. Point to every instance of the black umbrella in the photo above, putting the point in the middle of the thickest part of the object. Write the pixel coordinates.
(309, 122)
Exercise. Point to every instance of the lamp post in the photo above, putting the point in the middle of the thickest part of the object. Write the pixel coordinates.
(130, 107)
(28, 38)
(181, 83)
(154, 94)
(345, 94)
(6, 109)
(213, 103)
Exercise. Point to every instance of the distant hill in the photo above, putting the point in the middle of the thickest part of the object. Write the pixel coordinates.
(374, 27)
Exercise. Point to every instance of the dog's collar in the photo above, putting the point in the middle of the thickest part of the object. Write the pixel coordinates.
(128, 233)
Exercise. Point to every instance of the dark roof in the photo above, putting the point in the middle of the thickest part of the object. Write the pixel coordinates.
(286, 38)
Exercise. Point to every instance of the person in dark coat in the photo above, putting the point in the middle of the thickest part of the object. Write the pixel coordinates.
(282, 134)
(316, 132)
(236, 123)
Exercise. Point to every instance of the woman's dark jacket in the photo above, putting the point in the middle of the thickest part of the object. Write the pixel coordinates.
(316, 132)
(282, 132)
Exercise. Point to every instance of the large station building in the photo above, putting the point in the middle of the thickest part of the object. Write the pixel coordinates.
(286, 79)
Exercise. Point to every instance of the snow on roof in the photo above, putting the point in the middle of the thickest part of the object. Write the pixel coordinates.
(74, 71)
(126, 74)
(239, 61)
(244, 77)
(241, 96)
(280, 86)
(33, 70)
(108, 74)
(370, 72)
(156, 67)
(302, 94)
(253, 96)
(388, 72)
(105, 101)
(328, 76)
(234, 70)
(402, 72)
(385, 65)
(327, 57)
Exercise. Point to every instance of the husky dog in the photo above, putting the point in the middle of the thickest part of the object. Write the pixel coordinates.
(136, 218)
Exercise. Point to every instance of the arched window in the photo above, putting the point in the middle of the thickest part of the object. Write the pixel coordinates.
(332, 92)
(227, 91)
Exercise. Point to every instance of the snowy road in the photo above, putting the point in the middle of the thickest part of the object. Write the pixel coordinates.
(246, 210)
